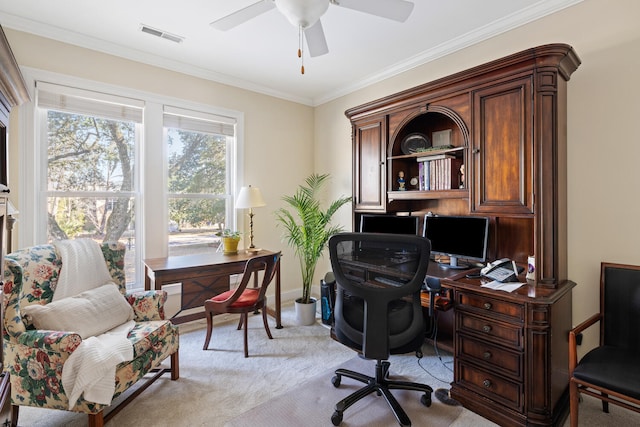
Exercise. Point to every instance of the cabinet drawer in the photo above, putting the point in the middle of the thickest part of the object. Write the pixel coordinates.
(506, 392)
(488, 329)
(490, 356)
(481, 303)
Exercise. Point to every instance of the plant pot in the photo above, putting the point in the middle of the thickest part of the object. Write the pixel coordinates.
(230, 245)
(305, 313)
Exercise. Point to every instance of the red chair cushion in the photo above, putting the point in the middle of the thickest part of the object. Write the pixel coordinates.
(247, 299)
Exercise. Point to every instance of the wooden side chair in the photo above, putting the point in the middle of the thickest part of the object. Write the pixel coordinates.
(243, 299)
(610, 372)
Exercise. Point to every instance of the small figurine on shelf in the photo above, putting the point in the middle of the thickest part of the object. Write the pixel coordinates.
(461, 176)
(401, 181)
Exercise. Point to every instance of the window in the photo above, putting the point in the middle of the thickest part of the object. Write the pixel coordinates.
(118, 164)
(91, 186)
(200, 159)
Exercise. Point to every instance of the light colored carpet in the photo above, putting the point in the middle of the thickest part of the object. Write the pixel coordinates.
(218, 385)
(312, 403)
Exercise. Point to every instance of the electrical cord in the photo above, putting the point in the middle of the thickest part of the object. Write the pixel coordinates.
(435, 346)
(442, 394)
(432, 335)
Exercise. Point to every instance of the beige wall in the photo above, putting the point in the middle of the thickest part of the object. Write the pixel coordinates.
(603, 111)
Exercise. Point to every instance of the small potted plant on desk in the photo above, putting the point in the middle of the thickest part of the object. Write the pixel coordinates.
(307, 229)
(230, 240)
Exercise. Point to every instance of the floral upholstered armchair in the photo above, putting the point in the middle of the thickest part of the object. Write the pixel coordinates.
(35, 358)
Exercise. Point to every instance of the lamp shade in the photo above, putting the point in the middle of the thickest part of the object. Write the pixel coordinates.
(249, 197)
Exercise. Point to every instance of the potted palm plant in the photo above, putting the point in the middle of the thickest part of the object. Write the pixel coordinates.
(307, 228)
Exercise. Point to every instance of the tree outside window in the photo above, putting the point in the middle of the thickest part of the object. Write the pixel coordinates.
(90, 179)
(197, 190)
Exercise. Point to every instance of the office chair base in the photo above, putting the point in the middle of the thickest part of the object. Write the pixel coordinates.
(382, 386)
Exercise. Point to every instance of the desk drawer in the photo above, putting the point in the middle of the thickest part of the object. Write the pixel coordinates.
(481, 303)
(489, 329)
(506, 392)
(196, 290)
(491, 356)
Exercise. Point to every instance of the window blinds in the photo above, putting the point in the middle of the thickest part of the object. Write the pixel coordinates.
(197, 121)
(86, 102)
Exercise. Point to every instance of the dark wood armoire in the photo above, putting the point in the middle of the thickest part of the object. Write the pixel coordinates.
(506, 122)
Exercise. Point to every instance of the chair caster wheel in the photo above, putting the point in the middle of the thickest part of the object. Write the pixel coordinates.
(336, 383)
(425, 399)
(336, 418)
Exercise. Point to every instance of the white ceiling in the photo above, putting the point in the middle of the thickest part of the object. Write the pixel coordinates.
(261, 54)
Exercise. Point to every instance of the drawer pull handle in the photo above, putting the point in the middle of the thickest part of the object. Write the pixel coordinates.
(486, 355)
(486, 328)
(487, 305)
(486, 383)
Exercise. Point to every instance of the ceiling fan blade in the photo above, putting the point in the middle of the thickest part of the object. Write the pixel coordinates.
(316, 41)
(398, 10)
(243, 15)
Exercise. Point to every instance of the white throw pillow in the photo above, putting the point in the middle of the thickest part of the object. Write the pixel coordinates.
(89, 313)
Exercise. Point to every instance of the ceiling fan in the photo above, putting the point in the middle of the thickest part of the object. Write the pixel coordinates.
(305, 15)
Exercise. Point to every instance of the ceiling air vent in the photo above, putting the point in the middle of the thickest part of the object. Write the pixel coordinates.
(160, 33)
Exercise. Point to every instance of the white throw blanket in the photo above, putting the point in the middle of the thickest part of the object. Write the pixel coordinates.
(83, 267)
(91, 368)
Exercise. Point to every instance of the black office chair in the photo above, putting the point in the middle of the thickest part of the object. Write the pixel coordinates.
(378, 311)
(610, 372)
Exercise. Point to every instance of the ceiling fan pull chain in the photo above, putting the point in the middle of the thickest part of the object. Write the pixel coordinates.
(300, 47)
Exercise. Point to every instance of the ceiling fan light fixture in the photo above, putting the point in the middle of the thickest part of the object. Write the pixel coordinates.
(305, 16)
(302, 13)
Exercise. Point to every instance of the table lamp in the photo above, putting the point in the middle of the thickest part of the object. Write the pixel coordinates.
(249, 198)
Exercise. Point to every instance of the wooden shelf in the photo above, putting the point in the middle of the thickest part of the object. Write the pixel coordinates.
(462, 193)
(426, 153)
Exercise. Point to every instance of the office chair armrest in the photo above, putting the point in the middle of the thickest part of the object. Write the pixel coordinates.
(573, 347)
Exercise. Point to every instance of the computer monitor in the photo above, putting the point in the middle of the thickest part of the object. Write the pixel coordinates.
(391, 224)
(388, 224)
(457, 237)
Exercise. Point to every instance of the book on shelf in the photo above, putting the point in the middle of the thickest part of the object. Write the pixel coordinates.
(442, 174)
(423, 176)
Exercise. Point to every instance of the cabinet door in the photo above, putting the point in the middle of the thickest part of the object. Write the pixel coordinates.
(502, 148)
(369, 165)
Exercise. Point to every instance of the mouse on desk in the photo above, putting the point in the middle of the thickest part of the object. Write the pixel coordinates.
(473, 276)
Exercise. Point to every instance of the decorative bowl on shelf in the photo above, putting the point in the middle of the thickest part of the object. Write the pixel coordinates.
(414, 142)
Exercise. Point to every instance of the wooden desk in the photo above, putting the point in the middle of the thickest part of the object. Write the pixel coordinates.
(203, 276)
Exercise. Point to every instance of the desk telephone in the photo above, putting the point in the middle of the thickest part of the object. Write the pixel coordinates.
(502, 270)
